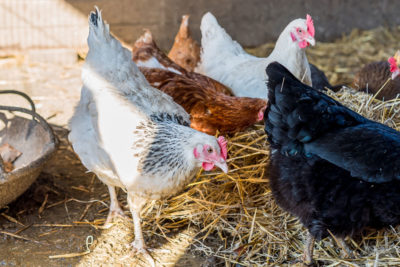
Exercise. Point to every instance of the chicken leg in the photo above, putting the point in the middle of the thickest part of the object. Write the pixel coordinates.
(135, 205)
(308, 250)
(115, 209)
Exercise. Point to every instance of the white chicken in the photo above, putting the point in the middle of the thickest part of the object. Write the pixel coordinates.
(132, 135)
(227, 62)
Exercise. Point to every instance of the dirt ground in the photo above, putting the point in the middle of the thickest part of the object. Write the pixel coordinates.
(74, 202)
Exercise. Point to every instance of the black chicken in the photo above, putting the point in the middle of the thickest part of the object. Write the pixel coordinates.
(320, 81)
(331, 167)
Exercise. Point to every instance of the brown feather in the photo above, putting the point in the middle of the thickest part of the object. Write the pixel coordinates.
(371, 78)
(185, 50)
(210, 110)
(210, 104)
(145, 48)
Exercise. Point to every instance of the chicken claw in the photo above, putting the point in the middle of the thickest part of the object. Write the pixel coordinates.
(113, 214)
(139, 248)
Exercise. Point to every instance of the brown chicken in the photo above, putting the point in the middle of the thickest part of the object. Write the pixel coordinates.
(373, 76)
(185, 50)
(146, 54)
(211, 109)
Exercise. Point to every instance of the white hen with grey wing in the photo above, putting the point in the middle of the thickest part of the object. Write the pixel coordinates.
(132, 135)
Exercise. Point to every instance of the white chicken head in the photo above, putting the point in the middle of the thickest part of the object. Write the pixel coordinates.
(212, 153)
(302, 32)
(394, 64)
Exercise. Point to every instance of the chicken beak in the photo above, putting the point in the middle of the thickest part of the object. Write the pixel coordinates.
(310, 40)
(222, 165)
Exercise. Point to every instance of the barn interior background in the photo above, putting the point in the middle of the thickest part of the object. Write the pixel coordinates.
(56, 222)
(63, 23)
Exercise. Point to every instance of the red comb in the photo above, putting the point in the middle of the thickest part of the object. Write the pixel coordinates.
(393, 64)
(310, 25)
(222, 145)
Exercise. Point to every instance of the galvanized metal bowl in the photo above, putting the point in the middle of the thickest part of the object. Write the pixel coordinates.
(34, 138)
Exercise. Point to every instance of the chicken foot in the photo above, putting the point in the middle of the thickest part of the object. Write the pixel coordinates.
(308, 250)
(139, 247)
(115, 208)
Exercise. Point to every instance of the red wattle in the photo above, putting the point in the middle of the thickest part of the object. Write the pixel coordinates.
(207, 166)
(303, 44)
(260, 115)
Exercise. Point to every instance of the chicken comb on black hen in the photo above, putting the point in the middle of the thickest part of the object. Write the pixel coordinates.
(331, 167)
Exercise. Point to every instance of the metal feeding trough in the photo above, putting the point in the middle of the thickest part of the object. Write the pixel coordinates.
(33, 137)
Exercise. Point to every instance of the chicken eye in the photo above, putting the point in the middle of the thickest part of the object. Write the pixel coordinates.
(299, 30)
(209, 150)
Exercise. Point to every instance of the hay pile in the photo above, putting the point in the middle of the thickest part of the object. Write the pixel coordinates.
(237, 218)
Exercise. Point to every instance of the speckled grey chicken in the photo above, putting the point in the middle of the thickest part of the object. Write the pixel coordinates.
(132, 135)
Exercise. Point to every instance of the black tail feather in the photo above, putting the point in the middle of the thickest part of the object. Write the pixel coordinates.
(95, 16)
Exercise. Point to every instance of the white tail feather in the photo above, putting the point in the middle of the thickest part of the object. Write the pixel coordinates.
(214, 38)
(98, 29)
(107, 53)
